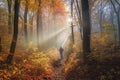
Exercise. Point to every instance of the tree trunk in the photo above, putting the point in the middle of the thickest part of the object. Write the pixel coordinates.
(118, 21)
(38, 42)
(101, 22)
(80, 19)
(25, 22)
(48, 33)
(15, 34)
(0, 45)
(72, 29)
(39, 24)
(31, 27)
(101, 18)
(86, 26)
(9, 16)
(111, 15)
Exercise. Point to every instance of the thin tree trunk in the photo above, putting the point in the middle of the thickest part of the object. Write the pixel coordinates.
(80, 19)
(38, 37)
(0, 45)
(15, 34)
(31, 28)
(25, 22)
(101, 18)
(39, 24)
(118, 21)
(48, 27)
(9, 16)
(100, 22)
(48, 22)
(72, 29)
(86, 26)
(111, 14)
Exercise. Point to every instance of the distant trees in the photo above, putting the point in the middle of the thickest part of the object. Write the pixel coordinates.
(78, 10)
(101, 11)
(39, 13)
(33, 15)
(15, 34)
(109, 11)
(116, 7)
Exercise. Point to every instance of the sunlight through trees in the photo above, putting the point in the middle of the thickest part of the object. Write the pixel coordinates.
(59, 39)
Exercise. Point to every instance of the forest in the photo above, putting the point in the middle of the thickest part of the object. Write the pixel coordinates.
(59, 39)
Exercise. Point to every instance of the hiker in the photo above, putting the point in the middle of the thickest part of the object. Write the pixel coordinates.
(61, 52)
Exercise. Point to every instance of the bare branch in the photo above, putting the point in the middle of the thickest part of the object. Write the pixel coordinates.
(117, 2)
(114, 6)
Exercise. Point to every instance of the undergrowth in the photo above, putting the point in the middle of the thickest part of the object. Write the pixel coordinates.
(103, 63)
(29, 66)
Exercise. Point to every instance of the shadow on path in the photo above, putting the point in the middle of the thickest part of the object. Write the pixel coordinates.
(58, 72)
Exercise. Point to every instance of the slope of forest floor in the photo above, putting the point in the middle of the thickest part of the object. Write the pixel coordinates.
(103, 63)
(29, 66)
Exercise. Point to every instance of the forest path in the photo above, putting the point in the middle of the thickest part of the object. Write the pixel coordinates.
(58, 72)
(64, 41)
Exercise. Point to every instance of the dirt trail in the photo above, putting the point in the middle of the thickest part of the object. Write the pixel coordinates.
(58, 73)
